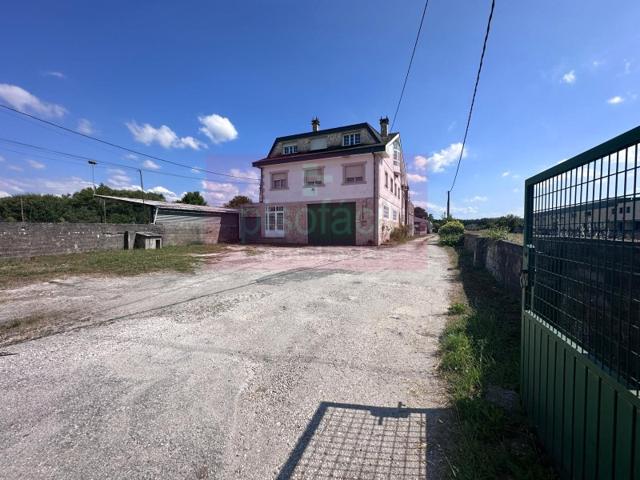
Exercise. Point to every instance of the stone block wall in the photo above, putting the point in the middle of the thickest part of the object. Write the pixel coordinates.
(500, 258)
(35, 239)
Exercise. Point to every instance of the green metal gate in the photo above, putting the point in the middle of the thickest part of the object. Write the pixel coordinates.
(331, 223)
(581, 310)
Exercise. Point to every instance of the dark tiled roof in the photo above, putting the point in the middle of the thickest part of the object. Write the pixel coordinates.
(356, 126)
(325, 153)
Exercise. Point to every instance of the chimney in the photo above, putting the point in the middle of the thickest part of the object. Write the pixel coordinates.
(315, 124)
(384, 126)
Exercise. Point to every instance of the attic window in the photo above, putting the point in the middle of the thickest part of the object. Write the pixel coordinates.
(350, 139)
(290, 148)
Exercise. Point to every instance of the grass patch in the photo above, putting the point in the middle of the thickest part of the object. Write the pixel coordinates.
(480, 350)
(457, 308)
(109, 262)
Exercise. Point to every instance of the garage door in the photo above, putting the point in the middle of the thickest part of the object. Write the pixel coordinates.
(332, 223)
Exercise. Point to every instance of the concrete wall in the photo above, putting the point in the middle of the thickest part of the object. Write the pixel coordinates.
(502, 259)
(34, 239)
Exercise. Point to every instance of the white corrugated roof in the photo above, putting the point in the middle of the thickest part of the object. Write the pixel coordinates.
(182, 207)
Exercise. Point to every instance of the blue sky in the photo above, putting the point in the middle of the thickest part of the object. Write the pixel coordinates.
(225, 78)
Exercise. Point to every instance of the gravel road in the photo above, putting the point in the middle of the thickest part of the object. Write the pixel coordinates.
(280, 363)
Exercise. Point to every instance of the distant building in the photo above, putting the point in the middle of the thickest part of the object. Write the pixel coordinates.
(186, 223)
(342, 186)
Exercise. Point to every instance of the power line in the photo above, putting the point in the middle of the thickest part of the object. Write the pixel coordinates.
(413, 52)
(83, 158)
(111, 144)
(99, 164)
(473, 98)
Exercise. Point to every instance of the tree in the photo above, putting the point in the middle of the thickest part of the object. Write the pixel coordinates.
(193, 198)
(420, 212)
(238, 201)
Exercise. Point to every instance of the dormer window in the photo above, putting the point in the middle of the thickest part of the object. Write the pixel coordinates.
(350, 139)
(290, 148)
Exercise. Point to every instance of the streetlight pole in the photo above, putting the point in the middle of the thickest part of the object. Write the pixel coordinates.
(144, 210)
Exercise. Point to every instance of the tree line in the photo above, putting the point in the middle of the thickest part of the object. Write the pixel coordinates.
(84, 207)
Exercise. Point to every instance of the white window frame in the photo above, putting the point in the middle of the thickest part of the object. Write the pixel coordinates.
(385, 211)
(396, 150)
(289, 148)
(395, 215)
(274, 229)
(304, 177)
(350, 139)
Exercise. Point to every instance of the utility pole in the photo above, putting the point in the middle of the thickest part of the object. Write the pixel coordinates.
(144, 209)
(448, 204)
(93, 164)
(22, 209)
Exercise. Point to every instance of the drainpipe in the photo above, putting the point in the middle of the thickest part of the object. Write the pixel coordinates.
(375, 200)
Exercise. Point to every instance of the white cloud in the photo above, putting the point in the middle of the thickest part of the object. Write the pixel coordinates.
(437, 210)
(217, 193)
(15, 168)
(219, 129)
(130, 156)
(36, 165)
(85, 126)
(516, 190)
(4, 194)
(1, 159)
(569, 77)
(506, 174)
(24, 101)
(163, 136)
(44, 185)
(119, 179)
(438, 161)
(59, 75)
(627, 67)
(416, 177)
(168, 194)
(476, 199)
(150, 164)
(615, 100)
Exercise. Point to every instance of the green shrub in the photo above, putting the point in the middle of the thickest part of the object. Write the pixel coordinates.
(400, 234)
(451, 240)
(452, 227)
(498, 233)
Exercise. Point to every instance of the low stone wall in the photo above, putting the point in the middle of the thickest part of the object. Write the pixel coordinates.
(35, 239)
(502, 259)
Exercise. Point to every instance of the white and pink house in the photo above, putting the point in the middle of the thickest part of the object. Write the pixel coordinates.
(341, 186)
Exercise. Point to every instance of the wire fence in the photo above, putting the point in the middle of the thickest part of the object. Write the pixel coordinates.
(583, 238)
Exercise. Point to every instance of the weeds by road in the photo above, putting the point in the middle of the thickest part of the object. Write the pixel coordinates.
(111, 262)
(480, 359)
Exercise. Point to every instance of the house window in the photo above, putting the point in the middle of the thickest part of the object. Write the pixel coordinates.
(386, 180)
(290, 148)
(279, 181)
(613, 211)
(620, 210)
(274, 219)
(385, 211)
(628, 209)
(395, 214)
(354, 173)
(350, 139)
(396, 150)
(313, 177)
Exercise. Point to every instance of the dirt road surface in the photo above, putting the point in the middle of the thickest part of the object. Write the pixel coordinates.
(281, 362)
